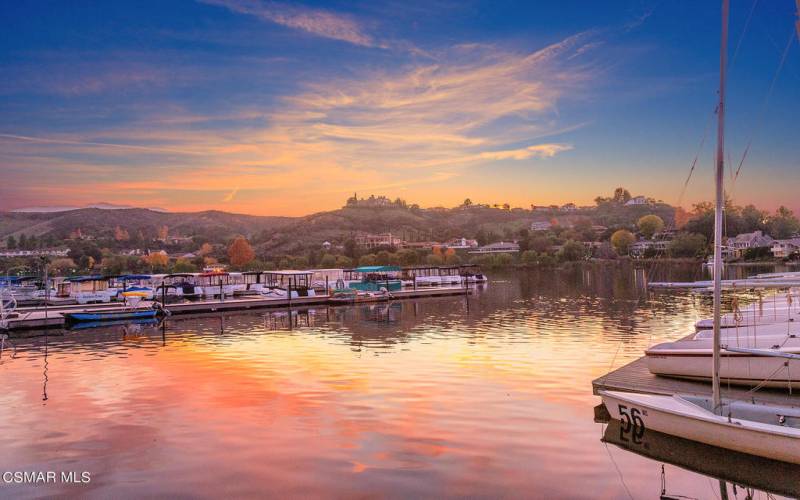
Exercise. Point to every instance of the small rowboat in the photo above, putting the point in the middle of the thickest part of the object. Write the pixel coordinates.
(78, 317)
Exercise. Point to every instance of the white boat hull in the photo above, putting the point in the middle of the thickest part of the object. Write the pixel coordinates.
(674, 416)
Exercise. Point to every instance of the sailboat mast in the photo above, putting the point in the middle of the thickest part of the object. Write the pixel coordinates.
(720, 200)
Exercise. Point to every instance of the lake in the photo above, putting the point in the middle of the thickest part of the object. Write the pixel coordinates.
(484, 397)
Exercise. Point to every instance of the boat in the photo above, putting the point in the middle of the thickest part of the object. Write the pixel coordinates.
(103, 316)
(287, 284)
(88, 289)
(766, 430)
(215, 283)
(472, 273)
(136, 283)
(373, 278)
(183, 285)
(769, 431)
(421, 276)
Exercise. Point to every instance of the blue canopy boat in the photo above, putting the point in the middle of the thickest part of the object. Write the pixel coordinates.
(78, 317)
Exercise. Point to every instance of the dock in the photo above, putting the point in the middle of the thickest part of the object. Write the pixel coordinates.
(635, 377)
(29, 318)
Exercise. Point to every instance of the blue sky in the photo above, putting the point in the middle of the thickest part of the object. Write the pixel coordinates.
(287, 108)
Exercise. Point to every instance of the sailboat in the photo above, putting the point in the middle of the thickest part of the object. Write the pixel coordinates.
(769, 431)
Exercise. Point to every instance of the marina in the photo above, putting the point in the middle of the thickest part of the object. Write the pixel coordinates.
(56, 317)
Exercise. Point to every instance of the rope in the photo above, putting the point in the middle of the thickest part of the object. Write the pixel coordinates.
(762, 112)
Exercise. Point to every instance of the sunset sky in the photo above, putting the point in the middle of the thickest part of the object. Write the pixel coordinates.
(276, 108)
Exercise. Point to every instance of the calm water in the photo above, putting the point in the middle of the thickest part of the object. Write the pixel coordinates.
(489, 397)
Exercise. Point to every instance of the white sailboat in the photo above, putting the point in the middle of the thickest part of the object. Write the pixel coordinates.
(765, 430)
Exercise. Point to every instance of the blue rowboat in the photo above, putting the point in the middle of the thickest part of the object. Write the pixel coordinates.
(78, 317)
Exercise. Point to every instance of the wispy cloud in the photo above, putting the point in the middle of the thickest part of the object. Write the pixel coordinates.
(318, 22)
(537, 151)
(230, 196)
(408, 128)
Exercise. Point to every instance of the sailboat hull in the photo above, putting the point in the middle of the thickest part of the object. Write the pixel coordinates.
(735, 369)
(675, 416)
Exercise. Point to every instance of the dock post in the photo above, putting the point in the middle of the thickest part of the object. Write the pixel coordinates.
(221, 291)
(415, 282)
(327, 286)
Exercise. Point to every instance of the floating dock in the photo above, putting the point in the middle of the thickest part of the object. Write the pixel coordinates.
(635, 377)
(53, 317)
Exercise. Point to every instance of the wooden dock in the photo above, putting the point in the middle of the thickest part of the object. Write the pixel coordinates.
(635, 377)
(53, 317)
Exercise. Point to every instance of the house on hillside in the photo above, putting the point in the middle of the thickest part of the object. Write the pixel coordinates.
(784, 248)
(636, 200)
(500, 247)
(745, 241)
(461, 243)
(370, 241)
(541, 225)
(568, 207)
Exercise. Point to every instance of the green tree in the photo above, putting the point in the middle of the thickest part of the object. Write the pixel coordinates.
(687, 245)
(650, 225)
(369, 259)
(622, 239)
(343, 262)
(327, 261)
(11, 242)
(434, 260)
(621, 195)
(784, 224)
(572, 251)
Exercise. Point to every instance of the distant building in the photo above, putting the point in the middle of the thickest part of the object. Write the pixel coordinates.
(639, 248)
(501, 247)
(326, 245)
(636, 200)
(461, 243)
(568, 207)
(784, 248)
(48, 252)
(746, 241)
(369, 241)
(421, 245)
(541, 225)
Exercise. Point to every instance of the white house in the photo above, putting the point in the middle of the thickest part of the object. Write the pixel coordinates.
(636, 200)
(461, 243)
(783, 248)
(568, 207)
(540, 225)
(501, 247)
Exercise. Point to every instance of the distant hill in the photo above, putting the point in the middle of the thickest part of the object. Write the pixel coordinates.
(99, 222)
(290, 234)
(103, 206)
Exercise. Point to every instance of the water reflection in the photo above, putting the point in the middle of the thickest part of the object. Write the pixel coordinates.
(737, 470)
(487, 395)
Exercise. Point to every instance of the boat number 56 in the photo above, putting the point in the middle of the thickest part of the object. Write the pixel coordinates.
(632, 424)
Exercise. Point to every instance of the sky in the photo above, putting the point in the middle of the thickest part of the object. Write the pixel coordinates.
(288, 108)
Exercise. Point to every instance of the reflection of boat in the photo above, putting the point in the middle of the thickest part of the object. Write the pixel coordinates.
(81, 325)
(739, 468)
(357, 297)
